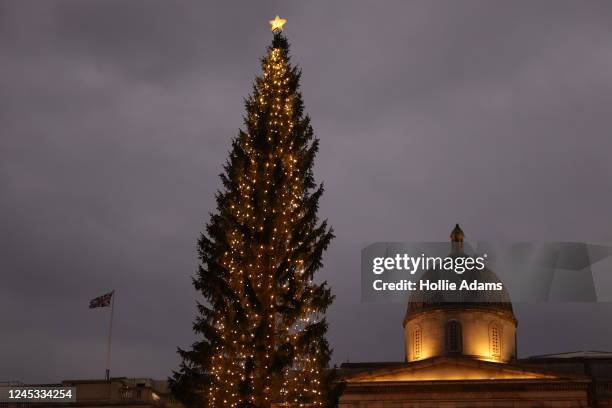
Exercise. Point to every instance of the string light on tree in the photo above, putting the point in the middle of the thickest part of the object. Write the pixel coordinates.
(262, 320)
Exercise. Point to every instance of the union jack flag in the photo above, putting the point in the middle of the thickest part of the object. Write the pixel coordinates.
(101, 301)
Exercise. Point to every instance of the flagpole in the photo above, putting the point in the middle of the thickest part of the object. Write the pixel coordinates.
(110, 335)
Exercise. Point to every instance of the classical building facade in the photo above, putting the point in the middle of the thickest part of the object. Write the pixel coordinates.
(460, 351)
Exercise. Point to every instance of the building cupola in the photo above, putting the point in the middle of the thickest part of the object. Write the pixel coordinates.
(469, 323)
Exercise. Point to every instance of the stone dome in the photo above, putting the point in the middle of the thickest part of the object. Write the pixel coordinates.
(426, 300)
(478, 324)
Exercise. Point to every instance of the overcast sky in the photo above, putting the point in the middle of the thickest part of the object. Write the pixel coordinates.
(116, 117)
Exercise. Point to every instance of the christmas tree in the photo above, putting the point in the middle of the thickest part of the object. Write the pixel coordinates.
(262, 320)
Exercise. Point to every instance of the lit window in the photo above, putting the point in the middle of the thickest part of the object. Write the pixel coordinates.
(453, 337)
(495, 340)
(416, 342)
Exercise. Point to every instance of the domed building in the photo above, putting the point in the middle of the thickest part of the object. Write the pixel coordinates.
(476, 324)
(460, 351)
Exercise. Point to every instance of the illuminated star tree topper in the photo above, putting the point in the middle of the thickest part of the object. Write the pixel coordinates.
(277, 24)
